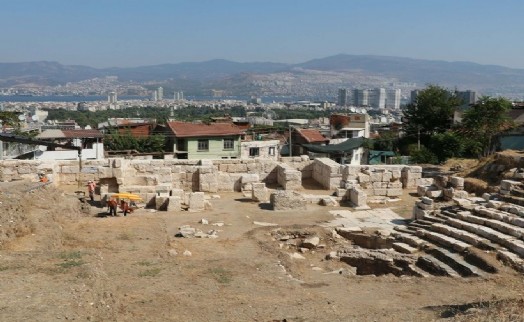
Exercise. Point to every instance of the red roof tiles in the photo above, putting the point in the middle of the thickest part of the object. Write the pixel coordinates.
(312, 136)
(187, 130)
(74, 134)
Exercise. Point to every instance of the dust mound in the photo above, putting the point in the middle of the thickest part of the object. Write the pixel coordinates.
(29, 209)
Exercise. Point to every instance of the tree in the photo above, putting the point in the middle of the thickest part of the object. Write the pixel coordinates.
(431, 112)
(446, 145)
(484, 121)
(9, 119)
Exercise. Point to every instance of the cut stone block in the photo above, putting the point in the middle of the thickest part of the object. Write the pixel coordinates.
(259, 192)
(196, 201)
(287, 200)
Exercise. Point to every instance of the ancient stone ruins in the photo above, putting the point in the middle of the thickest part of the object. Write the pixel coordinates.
(452, 232)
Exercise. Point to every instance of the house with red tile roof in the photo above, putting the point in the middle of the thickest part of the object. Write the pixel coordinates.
(306, 136)
(204, 141)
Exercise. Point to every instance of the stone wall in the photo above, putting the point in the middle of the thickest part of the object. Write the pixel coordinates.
(327, 172)
(149, 177)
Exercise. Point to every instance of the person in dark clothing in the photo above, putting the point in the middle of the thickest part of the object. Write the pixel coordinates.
(125, 207)
(112, 204)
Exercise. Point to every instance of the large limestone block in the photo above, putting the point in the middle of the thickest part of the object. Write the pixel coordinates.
(196, 201)
(68, 169)
(376, 176)
(362, 177)
(105, 172)
(358, 197)
(508, 184)
(174, 203)
(208, 182)
(249, 178)
(225, 182)
(395, 174)
(287, 200)
(116, 163)
(161, 203)
(387, 176)
(457, 182)
(394, 192)
(141, 180)
(259, 192)
(237, 168)
(424, 181)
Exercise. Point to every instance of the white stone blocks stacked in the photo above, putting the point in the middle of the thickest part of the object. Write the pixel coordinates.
(247, 181)
(327, 173)
(358, 197)
(207, 179)
(410, 175)
(289, 178)
(423, 207)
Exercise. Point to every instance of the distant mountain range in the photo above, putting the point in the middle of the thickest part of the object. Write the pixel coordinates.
(267, 78)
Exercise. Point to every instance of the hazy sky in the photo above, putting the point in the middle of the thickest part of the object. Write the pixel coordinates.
(122, 33)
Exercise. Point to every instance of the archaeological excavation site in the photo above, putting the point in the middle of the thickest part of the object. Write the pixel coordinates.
(263, 240)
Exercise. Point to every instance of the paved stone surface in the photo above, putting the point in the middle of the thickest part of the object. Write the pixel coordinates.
(384, 218)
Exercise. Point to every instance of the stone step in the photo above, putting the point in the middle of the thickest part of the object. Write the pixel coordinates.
(447, 214)
(423, 222)
(513, 209)
(517, 192)
(502, 215)
(417, 225)
(443, 240)
(418, 271)
(433, 219)
(464, 236)
(402, 229)
(511, 259)
(455, 261)
(404, 248)
(435, 267)
(482, 231)
(505, 228)
(513, 199)
(410, 239)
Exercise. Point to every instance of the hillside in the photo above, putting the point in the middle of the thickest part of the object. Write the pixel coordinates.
(248, 78)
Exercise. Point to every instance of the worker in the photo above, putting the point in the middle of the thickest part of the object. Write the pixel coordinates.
(112, 204)
(42, 178)
(125, 207)
(91, 189)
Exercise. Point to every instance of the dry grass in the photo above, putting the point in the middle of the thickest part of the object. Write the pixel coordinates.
(221, 275)
(150, 272)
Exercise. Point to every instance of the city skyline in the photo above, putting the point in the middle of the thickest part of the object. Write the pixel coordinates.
(130, 33)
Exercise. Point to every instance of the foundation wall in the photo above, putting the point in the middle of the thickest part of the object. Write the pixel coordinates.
(161, 177)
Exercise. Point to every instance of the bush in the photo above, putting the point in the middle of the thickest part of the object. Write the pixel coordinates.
(424, 155)
(446, 145)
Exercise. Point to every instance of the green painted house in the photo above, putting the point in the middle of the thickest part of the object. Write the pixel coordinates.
(204, 141)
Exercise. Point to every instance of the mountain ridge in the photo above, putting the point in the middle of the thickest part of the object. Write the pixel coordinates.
(489, 78)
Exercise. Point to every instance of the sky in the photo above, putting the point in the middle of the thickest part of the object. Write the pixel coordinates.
(129, 33)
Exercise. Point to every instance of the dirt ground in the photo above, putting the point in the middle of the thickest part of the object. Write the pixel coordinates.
(58, 263)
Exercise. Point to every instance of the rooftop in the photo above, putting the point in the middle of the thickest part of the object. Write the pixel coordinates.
(188, 130)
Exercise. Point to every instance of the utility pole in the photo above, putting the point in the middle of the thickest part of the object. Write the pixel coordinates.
(290, 145)
(418, 137)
